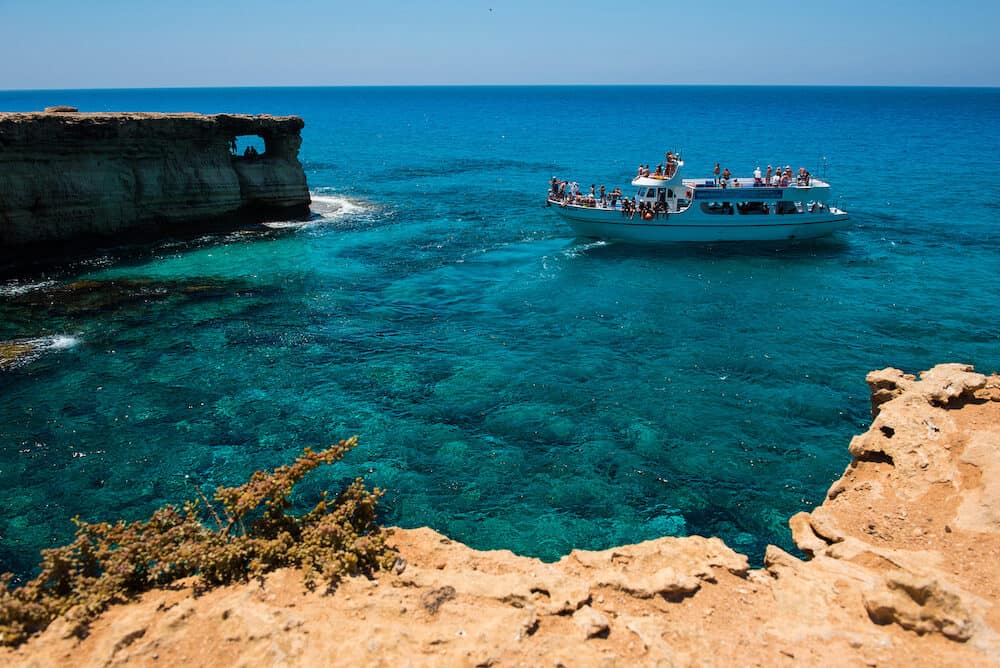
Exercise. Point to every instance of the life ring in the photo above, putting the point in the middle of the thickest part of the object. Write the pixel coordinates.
(647, 216)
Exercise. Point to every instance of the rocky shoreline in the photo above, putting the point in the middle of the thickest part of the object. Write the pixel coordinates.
(70, 178)
(901, 571)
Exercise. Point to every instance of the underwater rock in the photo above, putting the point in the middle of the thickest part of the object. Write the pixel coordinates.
(11, 352)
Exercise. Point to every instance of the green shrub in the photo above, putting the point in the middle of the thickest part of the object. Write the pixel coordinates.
(245, 533)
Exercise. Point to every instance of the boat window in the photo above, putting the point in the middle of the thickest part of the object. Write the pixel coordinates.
(651, 192)
(753, 208)
(670, 193)
(784, 208)
(717, 208)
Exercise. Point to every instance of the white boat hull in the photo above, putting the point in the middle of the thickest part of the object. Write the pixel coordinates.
(693, 226)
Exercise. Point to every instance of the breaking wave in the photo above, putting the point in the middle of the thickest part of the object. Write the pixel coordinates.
(32, 349)
(16, 288)
(325, 209)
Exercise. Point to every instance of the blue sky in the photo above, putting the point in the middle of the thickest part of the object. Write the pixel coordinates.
(114, 43)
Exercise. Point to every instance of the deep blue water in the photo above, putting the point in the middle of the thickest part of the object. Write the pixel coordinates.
(511, 386)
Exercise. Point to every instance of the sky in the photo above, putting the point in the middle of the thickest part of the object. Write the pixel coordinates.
(53, 44)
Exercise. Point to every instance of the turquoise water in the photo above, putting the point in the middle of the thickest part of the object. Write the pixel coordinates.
(511, 386)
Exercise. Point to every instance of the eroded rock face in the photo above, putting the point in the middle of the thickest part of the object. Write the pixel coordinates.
(903, 571)
(69, 175)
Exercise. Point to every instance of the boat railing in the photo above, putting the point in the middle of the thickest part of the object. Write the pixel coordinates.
(587, 203)
(743, 183)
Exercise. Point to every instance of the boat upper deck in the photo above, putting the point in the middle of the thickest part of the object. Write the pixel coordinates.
(748, 188)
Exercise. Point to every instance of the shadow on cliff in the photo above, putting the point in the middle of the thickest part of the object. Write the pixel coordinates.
(132, 247)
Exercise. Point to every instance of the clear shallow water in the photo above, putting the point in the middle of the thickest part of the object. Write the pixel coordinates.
(512, 387)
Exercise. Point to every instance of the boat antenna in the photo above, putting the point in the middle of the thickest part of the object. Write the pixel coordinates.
(823, 158)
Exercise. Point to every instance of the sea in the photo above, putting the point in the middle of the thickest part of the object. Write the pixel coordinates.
(511, 386)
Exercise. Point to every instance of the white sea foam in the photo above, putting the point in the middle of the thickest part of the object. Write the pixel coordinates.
(335, 206)
(577, 250)
(325, 209)
(59, 342)
(41, 345)
(14, 288)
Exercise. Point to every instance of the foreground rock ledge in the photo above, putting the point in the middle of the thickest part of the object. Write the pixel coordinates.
(903, 571)
(66, 176)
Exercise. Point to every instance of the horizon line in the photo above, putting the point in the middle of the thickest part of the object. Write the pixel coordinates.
(504, 85)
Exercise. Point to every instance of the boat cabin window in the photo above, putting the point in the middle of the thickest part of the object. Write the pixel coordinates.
(717, 208)
(753, 208)
(785, 208)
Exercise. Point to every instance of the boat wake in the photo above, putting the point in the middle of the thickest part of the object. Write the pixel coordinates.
(578, 249)
(325, 209)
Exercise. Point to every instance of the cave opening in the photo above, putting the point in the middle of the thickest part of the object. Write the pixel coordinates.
(248, 146)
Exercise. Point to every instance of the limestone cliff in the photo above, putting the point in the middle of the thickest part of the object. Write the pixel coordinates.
(66, 175)
(902, 571)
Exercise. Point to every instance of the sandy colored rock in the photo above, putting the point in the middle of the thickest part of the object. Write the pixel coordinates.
(980, 506)
(591, 622)
(887, 384)
(904, 572)
(923, 605)
(946, 383)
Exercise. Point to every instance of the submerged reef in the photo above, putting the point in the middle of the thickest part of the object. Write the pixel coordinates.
(67, 176)
(900, 570)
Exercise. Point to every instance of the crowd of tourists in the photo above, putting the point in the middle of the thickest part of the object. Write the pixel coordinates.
(664, 170)
(569, 193)
(775, 178)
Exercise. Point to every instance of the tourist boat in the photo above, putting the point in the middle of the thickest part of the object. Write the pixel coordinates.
(667, 209)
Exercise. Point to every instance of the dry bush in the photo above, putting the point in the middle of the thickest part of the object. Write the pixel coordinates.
(247, 532)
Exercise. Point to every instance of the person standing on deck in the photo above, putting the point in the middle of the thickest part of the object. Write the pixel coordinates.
(716, 172)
